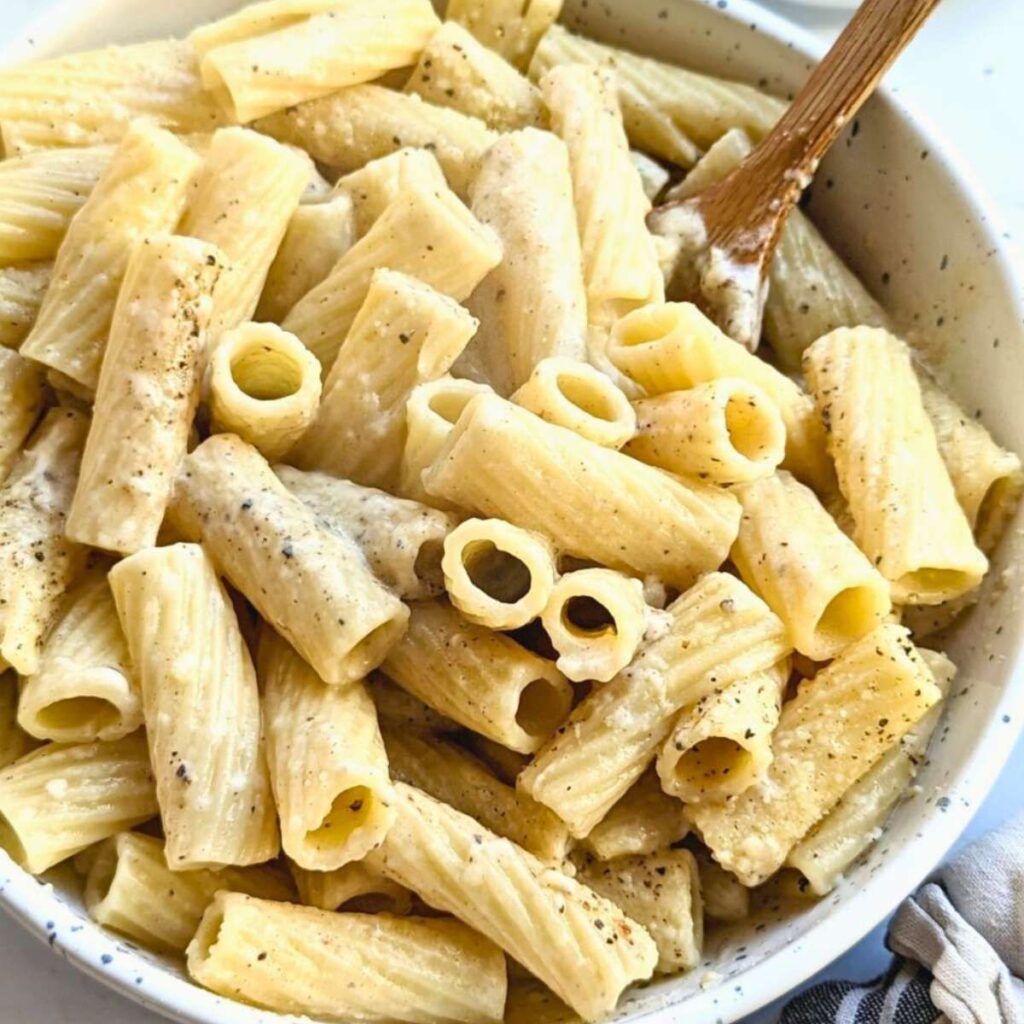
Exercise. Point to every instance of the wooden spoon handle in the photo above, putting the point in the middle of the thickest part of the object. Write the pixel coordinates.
(782, 165)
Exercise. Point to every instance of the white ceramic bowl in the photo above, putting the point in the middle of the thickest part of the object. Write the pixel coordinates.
(905, 213)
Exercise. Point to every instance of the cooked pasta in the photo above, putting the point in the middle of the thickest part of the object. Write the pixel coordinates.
(367, 967)
(402, 540)
(532, 304)
(404, 334)
(352, 887)
(456, 71)
(723, 897)
(503, 461)
(195, 672)
(498, 575)
(146, 395)
(905, 511)
(21, 382)
(364, 122)
(481, 679)
(457, 865)
(22, 287)
(14, 741)
(579, 397)
(142, 191)
(324, 599)
(509, 27)
(327, 762)
(264, 386)
(726, 430)
(596, 619)
(427, 234)
(84, 688)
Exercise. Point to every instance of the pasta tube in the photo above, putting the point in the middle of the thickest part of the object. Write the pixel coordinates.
(131, 889)
(242, 200)
(37, 562)
(22, 287)
(596, 619)
(256, 69)
(883, 687)
(365, 967)
(719, 632)
(496, 574)
(532, 304)
(854, 823)
(458, 779)
(83, 99)
(404, 334)
(40, 193)
(201, 707)
(327, 761)
(264, 386)
(428, 235)
(905, 512)
(481, 679)
(456, 71)
(673, 346)
(508, 27)
(372, 188)
(317, 236)
(727, 430)
(580, 398)
(987, 479)
(503, 763)
(365, 122)
(59, 799)
(620, 263)
(21, 384)
(353, 887)
(791, 552)
(662, 892)
(430, 414)
(503, 461)
(312, 585)
(457, 865)
(669, 112)
(84, 688)
(723, 897)
(146, 395)
(141, 193)
(645, 820)
(402, 540)
(653, 175)
(722, 744)
(399, 710)
(14, 741)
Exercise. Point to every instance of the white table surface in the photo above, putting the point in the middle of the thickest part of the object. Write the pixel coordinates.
(965, 72)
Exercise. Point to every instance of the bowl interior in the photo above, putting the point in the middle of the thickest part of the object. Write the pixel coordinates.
(896, 204)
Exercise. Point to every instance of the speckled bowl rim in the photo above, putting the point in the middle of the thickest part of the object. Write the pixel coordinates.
(143, 979)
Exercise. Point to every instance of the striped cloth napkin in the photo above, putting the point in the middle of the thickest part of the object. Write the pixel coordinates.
(959, 946)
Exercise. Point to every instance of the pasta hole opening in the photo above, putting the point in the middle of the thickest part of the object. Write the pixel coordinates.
(448, 405)
(101, 876)
(265, 373)
(500, 575)
(750, 427)
(207, 934)
(647, 326)
(78, 713)
(588, 396)
(352, 809)
(370, 651)
(10, 842)
(851, 614)
(712, 762)
(585, 616)
(934, 585)
(994, 509)
(542, 706)
(427, 567)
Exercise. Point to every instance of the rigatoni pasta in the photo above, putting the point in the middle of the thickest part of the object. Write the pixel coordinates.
(327, 762)
(352, 887)
(194, 669)
(404, 334)
(264, 386)
(905, 512)
(508, 27)
(324, 600)
(22, 287)
(22, 383)
(146, 395)
(84, 688)
(14, 741)
(367, 967)
(257, 66)
(141, 191)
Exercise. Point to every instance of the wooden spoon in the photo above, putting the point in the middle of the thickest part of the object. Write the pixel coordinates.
(727, 233)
